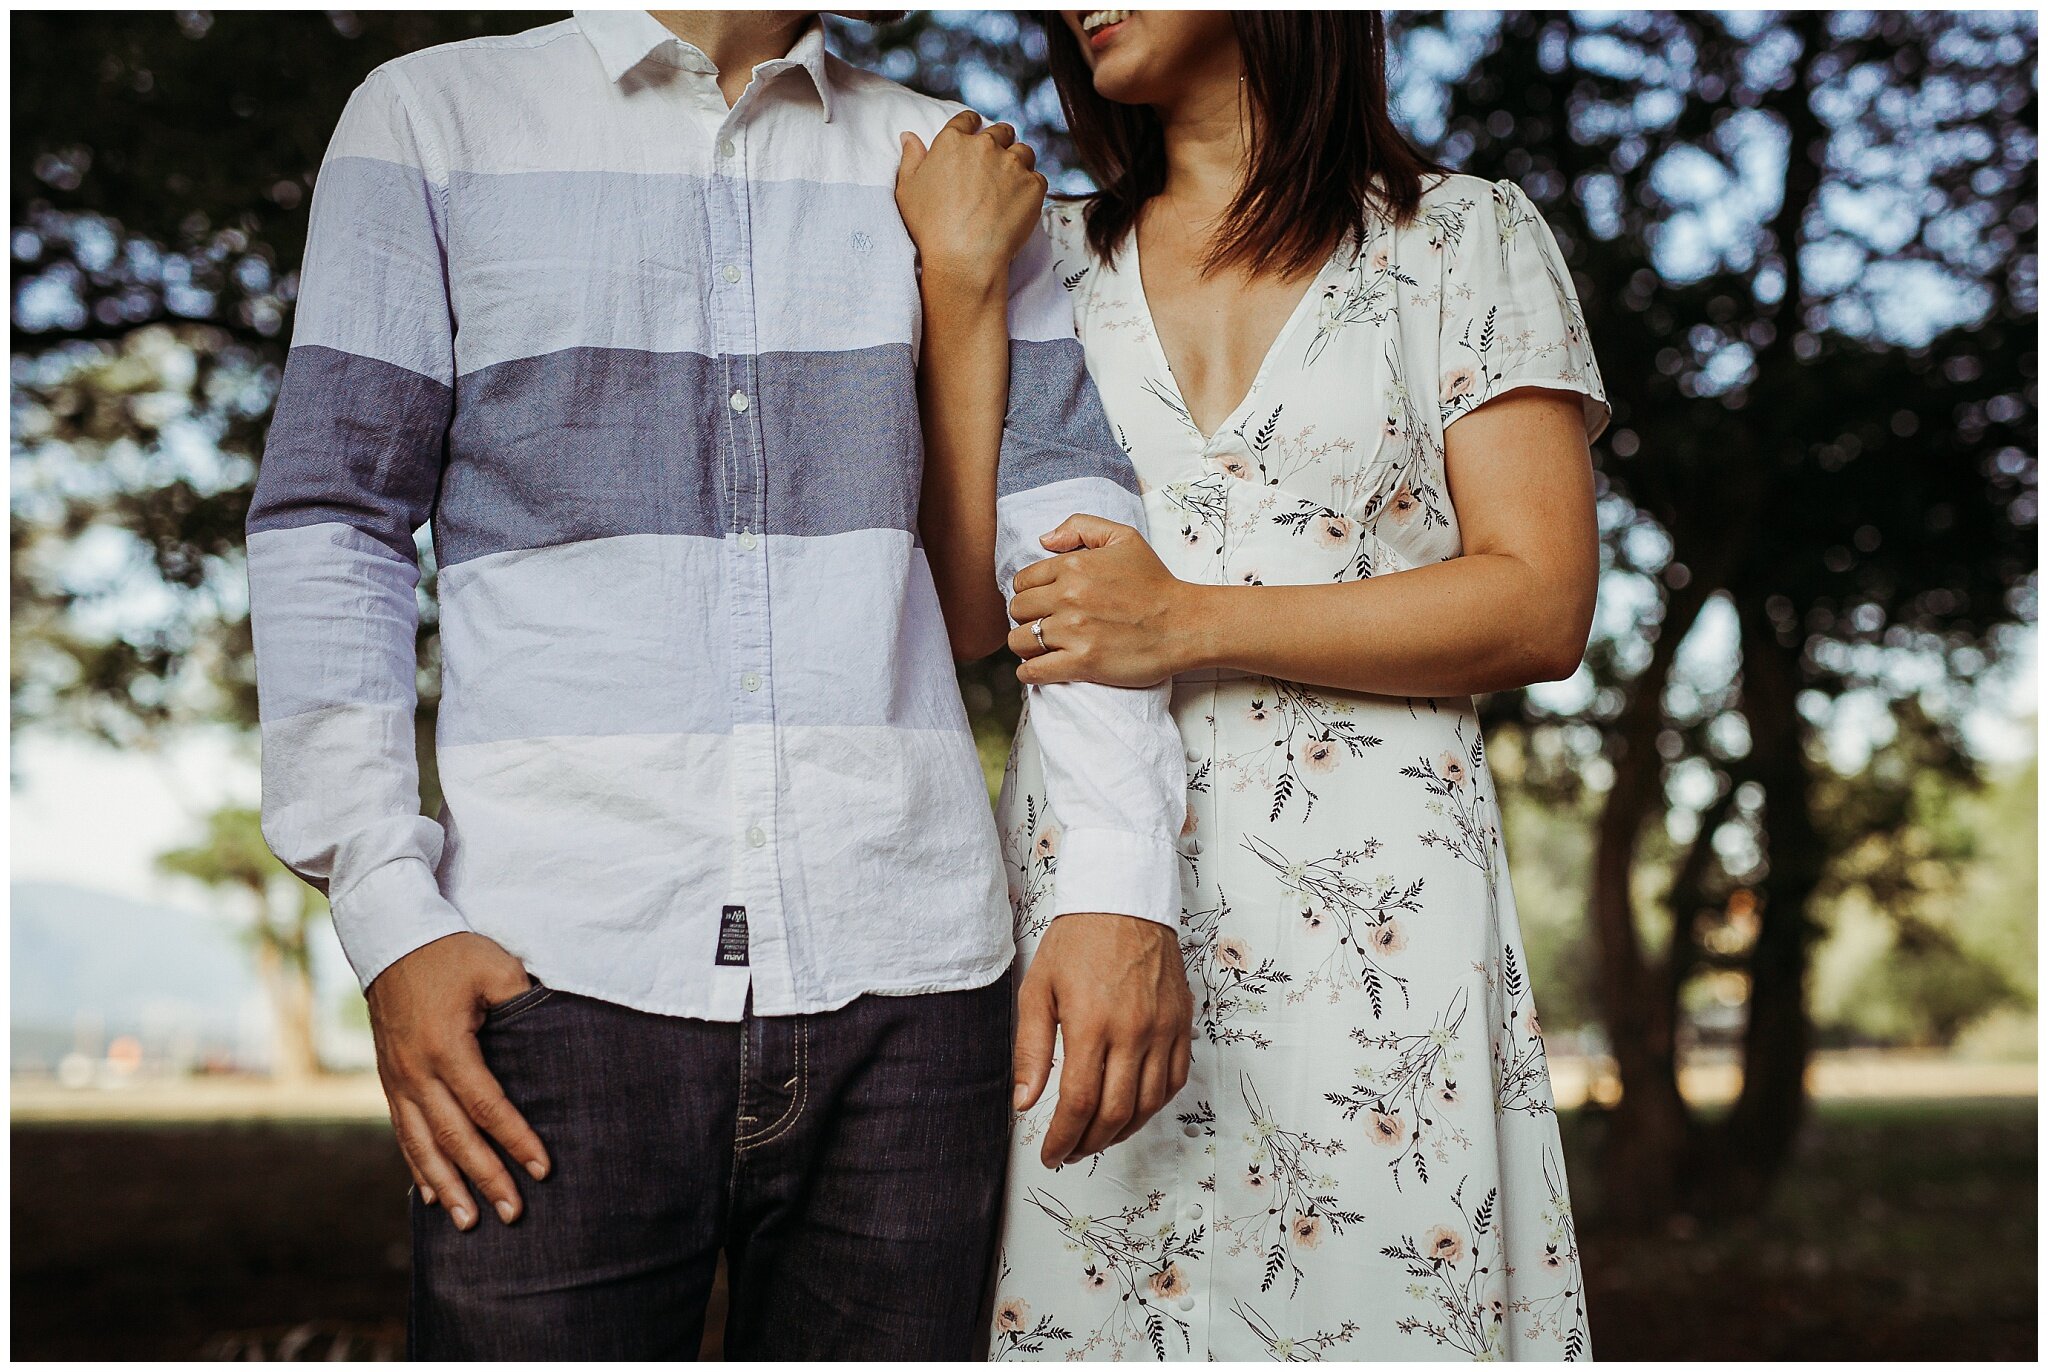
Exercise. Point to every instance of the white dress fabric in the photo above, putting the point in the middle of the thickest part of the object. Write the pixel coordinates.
(1364, 1163)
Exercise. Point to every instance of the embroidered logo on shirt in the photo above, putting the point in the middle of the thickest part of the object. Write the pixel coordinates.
(732, 937)
(862, 244)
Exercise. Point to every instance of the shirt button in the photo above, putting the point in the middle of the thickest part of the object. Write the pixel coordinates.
(752, 681)
(1192, 1213)
(1193, 1131)
(747, 539)
(725, 147)
(739, 402)
(732, 274)
(1187, 1302)
(757, 836)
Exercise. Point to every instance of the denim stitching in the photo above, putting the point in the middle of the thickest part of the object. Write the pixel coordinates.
(517, 1006)
(796, 1106)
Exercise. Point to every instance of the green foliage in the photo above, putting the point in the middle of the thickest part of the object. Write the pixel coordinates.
(1822, 364)
(1933, 920)
(232, 856)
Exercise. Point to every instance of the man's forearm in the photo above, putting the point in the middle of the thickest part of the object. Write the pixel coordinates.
(963, 391)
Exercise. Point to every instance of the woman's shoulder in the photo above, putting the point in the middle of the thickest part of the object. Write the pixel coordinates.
(1452, 206)
(1066, 223)
(1446, 188)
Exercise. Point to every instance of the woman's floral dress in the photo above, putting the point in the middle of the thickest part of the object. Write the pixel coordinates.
(1364, 1163)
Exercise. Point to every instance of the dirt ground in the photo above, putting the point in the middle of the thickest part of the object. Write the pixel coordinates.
(1906, 1232)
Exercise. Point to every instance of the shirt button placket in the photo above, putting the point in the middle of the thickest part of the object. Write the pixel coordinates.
(754, 753)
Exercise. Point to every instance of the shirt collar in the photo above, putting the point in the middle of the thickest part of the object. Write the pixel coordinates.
(626, 38)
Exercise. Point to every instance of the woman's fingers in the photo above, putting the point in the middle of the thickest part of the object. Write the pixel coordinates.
(1085, 531)
(913, 156)
(1003, 134)
(1028, 605)
(1050, 668)
(1043, 572)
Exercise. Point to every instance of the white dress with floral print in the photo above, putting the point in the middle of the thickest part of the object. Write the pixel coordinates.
(1364, 1163)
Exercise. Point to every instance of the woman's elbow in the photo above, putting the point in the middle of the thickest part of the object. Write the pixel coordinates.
(1553, 648)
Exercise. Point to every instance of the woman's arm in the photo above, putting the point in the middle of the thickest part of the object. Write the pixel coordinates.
(963, 388)
(1515, 608)
(970, 203)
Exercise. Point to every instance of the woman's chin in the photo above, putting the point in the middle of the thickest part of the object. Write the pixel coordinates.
(1120, 83)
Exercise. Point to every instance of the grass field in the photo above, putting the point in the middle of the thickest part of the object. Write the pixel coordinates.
(1905, 1231)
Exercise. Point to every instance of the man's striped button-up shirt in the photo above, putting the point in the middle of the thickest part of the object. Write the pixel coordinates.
(646, 365)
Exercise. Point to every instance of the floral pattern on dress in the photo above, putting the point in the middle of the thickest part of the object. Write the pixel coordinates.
(1364, 1163)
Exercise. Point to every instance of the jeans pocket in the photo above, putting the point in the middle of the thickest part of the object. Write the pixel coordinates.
(505, 1010)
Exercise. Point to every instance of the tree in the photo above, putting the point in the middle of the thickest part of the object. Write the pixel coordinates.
(1805, 244)
(234, 859)
(1848, 490)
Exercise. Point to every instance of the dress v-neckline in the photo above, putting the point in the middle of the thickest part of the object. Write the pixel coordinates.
(1302, 308)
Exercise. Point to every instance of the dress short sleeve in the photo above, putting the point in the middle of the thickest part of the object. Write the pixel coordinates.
(1510, 315)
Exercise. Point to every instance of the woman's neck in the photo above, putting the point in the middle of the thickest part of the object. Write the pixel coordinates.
(1207, 136)
(1207, 133)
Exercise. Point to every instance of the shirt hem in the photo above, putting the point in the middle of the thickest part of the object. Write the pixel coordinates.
(970, 978)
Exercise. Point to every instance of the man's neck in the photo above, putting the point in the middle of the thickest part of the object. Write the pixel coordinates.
(737, 41)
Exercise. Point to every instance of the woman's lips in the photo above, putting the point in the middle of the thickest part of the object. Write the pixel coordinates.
(1098, 25)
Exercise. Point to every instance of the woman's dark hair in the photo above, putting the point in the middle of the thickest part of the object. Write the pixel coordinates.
(1325, 154)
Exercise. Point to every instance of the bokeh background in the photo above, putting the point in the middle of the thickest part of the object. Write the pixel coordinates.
(1774, 843)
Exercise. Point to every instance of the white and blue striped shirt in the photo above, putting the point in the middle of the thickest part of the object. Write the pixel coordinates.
(646, 364)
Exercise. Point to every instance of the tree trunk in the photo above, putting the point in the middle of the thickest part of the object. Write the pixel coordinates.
(288, 981)
(1755, 1141)
(1650, 1137)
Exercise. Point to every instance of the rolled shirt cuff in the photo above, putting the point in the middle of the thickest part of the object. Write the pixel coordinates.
(1116, 872)
(387, 914)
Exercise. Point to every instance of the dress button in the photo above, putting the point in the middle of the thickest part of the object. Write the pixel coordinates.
(1187, 1302)
(752, 681)
(1194, 756)
(739, 402)
(1192, 1213)
(747, 539)
(732, 274)
(725, 148)
(757, 836)
(1193, 1131)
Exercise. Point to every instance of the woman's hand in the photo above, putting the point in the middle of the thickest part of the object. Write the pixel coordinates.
(970, 201)
(1109, 609)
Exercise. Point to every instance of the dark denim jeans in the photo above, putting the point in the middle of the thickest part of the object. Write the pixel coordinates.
(849, 1163)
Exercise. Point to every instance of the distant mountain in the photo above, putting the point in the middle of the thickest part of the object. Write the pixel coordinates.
(86, 962)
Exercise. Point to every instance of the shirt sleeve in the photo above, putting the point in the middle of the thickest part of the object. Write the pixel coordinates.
(1510, 315)
(1113, 760)
(349, 471)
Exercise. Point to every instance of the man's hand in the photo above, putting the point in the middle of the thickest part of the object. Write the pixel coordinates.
(1115, 987)
(970, 201)
(425, 1010)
